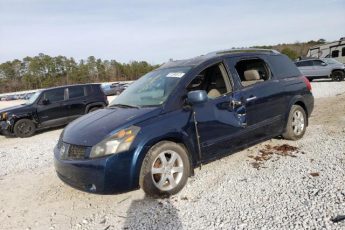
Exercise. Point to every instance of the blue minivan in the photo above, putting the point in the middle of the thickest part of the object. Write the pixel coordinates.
(181, 115)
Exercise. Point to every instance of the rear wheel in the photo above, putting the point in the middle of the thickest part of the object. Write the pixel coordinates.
(297, 123)
(24, 128)
(165, 169)
(338, 75)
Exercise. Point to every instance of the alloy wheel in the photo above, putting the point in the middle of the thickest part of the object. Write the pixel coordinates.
(298, 122)
(167, 170)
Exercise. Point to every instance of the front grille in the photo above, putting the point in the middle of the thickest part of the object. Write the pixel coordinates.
(69, 151)
(76, 152)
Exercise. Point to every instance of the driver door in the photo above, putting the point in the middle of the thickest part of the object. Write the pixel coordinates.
(220, 120)
(52, 112)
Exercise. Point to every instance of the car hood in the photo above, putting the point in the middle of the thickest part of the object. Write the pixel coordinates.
(92, 128)
(16, 109)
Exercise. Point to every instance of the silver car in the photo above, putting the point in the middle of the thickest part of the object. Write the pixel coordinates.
(322, 68)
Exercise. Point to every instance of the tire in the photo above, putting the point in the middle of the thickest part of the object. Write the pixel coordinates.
(338, 75)
(93, 109)
(24, 128)
(297, 123)
(159, 181)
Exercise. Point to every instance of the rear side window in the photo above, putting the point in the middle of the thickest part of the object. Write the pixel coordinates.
(96, 89)
(75, 92)
(54, 95)
(252, 71)
(282, 66)
(343, 52)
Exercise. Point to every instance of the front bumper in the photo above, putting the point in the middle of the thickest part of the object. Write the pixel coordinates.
(5, 127)
(106, 175)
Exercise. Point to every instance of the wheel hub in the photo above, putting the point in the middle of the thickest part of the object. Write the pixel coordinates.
(167, 170)
(298, 122)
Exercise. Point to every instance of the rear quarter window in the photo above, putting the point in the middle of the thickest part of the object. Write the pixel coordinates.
(282, 66)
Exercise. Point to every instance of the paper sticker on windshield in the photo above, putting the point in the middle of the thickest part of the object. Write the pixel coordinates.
(178, 74)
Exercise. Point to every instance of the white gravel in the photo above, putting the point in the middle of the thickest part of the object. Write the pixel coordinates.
(326, 88)
(226, 194)
(27, 153)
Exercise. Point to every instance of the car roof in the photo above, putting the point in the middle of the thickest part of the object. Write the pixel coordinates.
(309, 59)
(64, 86)
(217, 55)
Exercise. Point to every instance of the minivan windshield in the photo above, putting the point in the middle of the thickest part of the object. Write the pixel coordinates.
(33, 98)
(152, 89)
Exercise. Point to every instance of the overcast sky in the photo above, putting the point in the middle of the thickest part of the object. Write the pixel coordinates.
(156, 30)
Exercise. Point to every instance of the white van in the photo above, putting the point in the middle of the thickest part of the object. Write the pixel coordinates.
(334, 50)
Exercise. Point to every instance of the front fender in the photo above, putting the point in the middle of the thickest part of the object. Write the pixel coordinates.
(179, 129)
(14, 118)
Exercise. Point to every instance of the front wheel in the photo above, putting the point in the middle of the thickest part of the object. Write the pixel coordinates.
(165, 169)
(24, 128)
(338, 75)
(297, 123)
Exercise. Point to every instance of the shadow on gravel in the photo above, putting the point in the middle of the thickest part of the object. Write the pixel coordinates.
(150, 213)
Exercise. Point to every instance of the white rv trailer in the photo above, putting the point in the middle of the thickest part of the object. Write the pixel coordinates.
(334, 50)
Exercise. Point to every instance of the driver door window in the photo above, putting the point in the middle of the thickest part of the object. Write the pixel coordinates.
(214, 80)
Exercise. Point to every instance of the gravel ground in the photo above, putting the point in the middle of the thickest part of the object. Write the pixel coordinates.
(301, 190)
(326, 88)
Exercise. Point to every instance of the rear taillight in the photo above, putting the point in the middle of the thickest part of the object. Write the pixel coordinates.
(307, 83)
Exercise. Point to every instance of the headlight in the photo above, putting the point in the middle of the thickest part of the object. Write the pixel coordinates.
(4, 116)
(119, 142)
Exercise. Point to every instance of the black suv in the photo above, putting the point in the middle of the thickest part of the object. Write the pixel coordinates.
(50, 108)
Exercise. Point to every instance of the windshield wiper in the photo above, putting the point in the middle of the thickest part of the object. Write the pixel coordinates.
(124, 106)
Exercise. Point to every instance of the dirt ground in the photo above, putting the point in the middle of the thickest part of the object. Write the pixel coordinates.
(36, 199)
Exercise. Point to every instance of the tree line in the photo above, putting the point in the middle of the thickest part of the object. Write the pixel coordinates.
(44, 71)
(295, 50)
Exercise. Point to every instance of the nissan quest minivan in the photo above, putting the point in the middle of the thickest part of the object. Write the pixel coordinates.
(181, 115)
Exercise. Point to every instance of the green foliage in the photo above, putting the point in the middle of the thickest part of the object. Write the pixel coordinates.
(290, 53)
(44, 71)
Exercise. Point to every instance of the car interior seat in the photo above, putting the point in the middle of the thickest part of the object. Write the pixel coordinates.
(218, 89)
(251, 76)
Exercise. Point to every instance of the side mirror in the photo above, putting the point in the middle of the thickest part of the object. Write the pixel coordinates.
(45, 102)
(197, 97)
(323, 64)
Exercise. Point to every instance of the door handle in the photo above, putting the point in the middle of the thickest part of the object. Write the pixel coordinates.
(251, 98)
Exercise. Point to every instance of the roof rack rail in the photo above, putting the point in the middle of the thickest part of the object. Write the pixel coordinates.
(244, 50)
